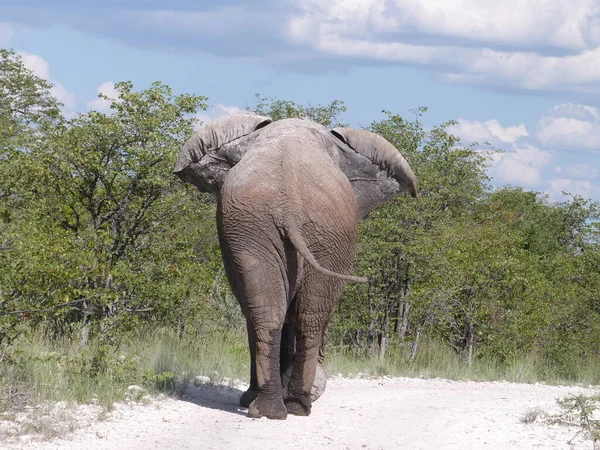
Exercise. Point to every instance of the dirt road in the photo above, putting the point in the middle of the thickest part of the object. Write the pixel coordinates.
(388, 413)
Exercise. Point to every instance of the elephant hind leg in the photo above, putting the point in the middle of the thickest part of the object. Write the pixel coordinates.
(286, 359)
(263, 299)
(288, 349)
(298, 399)
(269, 398)
(248, 397)
(315, 302)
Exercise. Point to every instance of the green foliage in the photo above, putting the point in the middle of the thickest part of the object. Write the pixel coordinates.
(438, 360)
(493, 274)
(162, 381)
(27, 112)
(99, 239)
(580, 410)
(407, 245)
(326, 115)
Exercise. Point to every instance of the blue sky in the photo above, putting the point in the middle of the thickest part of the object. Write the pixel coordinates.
(521, 74)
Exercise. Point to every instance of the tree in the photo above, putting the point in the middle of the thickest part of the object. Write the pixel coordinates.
(326, 115)
(27, 113)
(544, 307)
(403, 241)
(105, 196)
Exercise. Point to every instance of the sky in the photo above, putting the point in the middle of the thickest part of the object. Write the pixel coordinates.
(523, 75)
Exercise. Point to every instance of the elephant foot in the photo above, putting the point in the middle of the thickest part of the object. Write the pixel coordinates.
(247, 397)
(319, 384)
(269, 408)
(318, 387)
(297, 407)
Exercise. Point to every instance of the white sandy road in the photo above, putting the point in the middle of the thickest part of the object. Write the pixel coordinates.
(387, 413)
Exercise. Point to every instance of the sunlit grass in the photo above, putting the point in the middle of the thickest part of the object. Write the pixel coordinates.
(39, 369)
(439, 361)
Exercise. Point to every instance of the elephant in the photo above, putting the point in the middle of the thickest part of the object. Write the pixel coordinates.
(290, 194)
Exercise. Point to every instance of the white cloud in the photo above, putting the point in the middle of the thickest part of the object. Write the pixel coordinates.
(508, 134)
(216, 111)
(521, 166)
(582, 172)
(580, 187)
(526, 160)
(63, 95)
(570, 127)
(101, 104)
(533, 45)
(6, 33)
(481, 66)
(574, 111)
(567, 25)
(40, 67)
(536, 45)
(489, 131)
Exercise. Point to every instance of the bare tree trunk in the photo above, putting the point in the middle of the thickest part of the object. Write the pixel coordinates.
(470, 344)
(383, 347)
(383, 343)
(180, 327)
(371, 337)
(371, 333)
(403, 310)
(403, 307)
(418, 334)
(88, 310)
(415, 345)
(110, 311)
(359, 334)
(182, 317)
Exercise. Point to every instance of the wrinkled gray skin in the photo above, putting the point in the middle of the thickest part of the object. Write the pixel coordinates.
(290, 195)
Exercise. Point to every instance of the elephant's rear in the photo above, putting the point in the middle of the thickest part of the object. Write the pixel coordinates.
(292, 184)
(328, 212)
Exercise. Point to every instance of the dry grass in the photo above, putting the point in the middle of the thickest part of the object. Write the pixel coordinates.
(46, 386)
(44, 421)
(532, 415)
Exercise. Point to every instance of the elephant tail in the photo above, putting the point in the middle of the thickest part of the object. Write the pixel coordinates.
(298, 241)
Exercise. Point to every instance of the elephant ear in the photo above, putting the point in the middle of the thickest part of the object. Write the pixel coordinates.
(211, 137)
(199, 162)
(381, 153)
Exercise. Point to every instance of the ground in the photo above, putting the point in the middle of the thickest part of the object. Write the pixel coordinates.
(385, 413)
